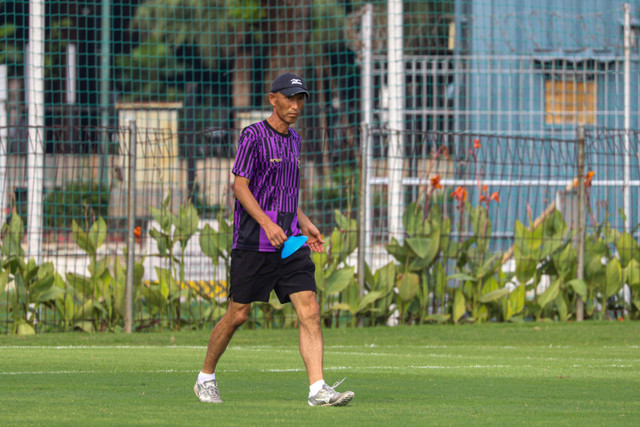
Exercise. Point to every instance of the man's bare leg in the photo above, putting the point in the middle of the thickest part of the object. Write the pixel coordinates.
(221, 335)
(311, 342)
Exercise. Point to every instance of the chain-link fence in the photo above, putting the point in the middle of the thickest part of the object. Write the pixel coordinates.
(464, 111)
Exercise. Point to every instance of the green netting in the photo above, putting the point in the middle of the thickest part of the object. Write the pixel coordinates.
(474, 93)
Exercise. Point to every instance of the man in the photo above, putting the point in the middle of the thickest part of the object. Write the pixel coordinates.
(267, 180)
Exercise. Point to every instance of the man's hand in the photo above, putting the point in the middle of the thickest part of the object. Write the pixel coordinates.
(316, 239)
(275, 234)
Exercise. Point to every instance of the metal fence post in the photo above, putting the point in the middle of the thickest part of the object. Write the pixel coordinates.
(131, 213)
(581, 213)
(365, 214)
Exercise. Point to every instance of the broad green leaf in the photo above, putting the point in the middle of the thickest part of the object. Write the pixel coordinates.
(81, 239)
(320, 261)
(168, 285)
(186, 223)
(562, 307)
(24, 328)
(628, 249)
(340, 306)
(439, 318)
(397, 250)
(336, 243)
(431, 253)
(385, 278)
(97, 269)
(48, 295)
(97, 233)
(339, 280)
(369, 298)
(81, 283)
(516, 300)
(594, 272)
(481, 224)
(441, 280)
(408, 284)
(84, 325)
(419, 245)
(633, 274)
(493, 295)
(4, 279)
(342, 221)
(579, 287)
(488, 266)
(550, 293)
(162, 217)
(208, 245)
(162, 240)
(613, 278)
(458, 305)
(11, 242)
(462, 277)
(412, 219)
(566, 261)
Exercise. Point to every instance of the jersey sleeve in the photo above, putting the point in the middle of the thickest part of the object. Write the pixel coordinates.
(245, 157)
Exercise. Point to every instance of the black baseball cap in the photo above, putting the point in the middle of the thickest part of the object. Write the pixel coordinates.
(289, 84)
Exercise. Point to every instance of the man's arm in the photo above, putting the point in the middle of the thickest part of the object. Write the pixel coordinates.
(316, 241)
(274, 233)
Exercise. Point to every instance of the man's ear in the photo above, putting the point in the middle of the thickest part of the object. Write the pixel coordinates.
(272, 99)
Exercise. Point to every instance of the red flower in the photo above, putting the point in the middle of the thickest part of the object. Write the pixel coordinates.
(137, 233)
(495, 196)
(476, 144)
(589, 178)
(435, 182)
(460, 194)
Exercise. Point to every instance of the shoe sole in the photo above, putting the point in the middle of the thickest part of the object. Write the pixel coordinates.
(343, 401)
(195, 390)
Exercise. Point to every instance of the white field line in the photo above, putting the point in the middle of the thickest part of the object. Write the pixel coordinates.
(294, 348)
(333, 368)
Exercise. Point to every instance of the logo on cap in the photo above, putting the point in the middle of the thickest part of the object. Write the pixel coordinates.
(296, 82)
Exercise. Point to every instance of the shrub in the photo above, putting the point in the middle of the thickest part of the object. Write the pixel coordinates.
(79, 201)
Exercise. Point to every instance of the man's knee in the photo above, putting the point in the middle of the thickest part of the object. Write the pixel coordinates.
(308, 311)
(238, 313)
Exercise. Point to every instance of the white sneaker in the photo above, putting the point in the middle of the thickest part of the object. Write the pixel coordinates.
(327, 396)
(207, 391)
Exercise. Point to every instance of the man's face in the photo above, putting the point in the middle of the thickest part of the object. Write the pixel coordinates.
(287, 108)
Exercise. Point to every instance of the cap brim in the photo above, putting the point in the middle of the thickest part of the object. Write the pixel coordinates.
(293, 91)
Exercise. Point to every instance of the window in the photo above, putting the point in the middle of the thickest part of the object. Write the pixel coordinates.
(570, 102)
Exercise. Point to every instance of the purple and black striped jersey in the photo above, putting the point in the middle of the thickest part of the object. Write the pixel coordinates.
(271, 162)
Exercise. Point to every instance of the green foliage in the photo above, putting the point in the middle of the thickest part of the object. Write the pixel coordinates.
(167, 296)
(97, 301)
(24, 284)
(78, 201)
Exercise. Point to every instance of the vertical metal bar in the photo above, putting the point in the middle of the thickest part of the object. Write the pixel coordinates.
(131, 213)
(396, 117)
(581, 213)
(35, 156)
(365, 214)
(627, 114)
(105, 86)
(4, 120)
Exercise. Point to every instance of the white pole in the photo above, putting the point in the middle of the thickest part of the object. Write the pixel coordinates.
(627, 129)
(627, 115)
(35, 100)
(71, 74)
(395, 80)
(367, 119)
(3, 141)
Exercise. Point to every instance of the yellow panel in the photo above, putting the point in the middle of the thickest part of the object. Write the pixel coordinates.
(570, 102)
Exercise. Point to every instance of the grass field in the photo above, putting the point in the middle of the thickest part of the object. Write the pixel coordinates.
(495, 374)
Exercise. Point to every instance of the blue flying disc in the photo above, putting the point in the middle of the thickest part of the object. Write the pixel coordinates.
(292, 244)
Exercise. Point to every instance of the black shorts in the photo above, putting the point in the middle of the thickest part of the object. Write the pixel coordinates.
(255, 274)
